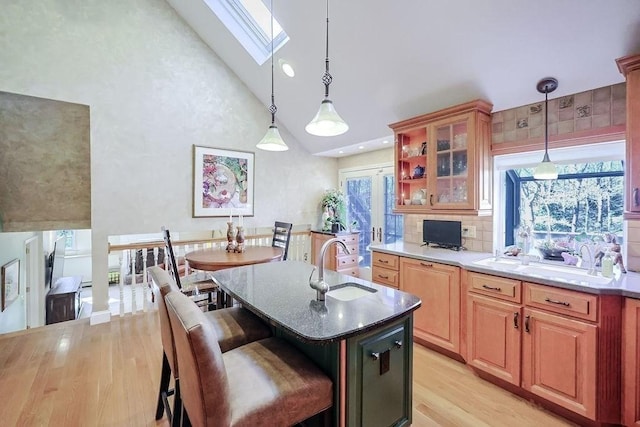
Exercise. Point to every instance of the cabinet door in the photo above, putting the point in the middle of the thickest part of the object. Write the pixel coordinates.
(451, 169)
(411, 170)
(494, 337)
(559, 361)
(317, 240)
(630, 371)
(438, 286)
(630, 67)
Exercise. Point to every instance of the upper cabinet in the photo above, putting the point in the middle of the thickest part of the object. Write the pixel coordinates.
(629, 66)
(443, 161)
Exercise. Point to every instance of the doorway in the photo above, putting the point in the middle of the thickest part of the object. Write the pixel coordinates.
(370, 195)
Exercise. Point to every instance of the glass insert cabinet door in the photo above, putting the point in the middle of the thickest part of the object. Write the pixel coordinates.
(451, 164)
(370, 201)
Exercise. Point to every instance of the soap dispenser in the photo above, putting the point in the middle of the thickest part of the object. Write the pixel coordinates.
(607, 265)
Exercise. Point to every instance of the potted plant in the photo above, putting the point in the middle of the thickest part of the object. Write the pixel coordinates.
(333, 204)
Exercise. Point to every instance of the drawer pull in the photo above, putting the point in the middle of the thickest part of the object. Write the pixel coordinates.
(384, 261)
(424, 264)
(526, 323)
(398, 343)
(380, 276)
(553, 301)
(515, 319)
(491, 288)
(375, 356)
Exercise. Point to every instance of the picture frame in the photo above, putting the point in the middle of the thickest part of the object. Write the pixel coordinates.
(9, 283)
(223, 182)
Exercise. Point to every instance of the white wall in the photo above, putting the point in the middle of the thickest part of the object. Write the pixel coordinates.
(154, 89)
(371, 158)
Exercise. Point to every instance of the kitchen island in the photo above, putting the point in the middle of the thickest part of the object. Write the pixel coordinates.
(363, 340)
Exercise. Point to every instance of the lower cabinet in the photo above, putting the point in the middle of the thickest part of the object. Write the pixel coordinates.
(336, 259)
(380, 377)
(560, 345)
(384, 269)
(630, 362)
(437, 321)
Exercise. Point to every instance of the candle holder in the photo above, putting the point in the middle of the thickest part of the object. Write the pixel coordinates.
(231, 245)
(239, 240)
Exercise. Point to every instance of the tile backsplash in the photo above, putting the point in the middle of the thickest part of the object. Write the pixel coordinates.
(483, 242)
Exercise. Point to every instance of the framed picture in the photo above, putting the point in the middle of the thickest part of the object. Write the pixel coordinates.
(10, 276)
(222, 182)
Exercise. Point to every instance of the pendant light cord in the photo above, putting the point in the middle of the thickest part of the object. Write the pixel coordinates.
(272, 107)
(546, 119)
(326, 78)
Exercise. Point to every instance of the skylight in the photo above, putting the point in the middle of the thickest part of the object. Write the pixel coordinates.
(250, 23)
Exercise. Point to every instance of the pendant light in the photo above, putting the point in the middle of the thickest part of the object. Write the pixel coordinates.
(327, 122)
(272, 141)
(546, 169)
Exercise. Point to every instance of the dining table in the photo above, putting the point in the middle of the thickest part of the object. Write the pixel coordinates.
(214, 259)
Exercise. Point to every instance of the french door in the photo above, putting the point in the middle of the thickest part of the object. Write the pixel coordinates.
(370, 200)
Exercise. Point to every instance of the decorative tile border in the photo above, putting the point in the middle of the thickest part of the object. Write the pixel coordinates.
(593, 109)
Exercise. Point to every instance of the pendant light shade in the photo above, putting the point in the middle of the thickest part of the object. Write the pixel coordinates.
(327, 122)
(272, 141)
(546, 169)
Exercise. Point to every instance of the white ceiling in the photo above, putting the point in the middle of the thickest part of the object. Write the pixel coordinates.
(392, 60)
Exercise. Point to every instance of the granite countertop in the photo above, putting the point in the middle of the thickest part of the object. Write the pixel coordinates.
(279, 292)
(622, 284)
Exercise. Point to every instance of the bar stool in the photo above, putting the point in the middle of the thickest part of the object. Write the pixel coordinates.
(233, 326)
(263, 383)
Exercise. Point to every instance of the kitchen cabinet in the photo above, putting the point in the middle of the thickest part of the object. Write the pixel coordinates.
(558, 344)
(437, 321)
(629, 66)
(385, 269)
(630, 357)
(443, 161)
(336, 259)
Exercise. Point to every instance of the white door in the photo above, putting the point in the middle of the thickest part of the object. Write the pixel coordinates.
(34, 282)
(370, 200)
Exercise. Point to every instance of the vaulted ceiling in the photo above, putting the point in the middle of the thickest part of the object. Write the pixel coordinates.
(392, 60)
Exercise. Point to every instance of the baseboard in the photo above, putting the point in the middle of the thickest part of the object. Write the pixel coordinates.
(98, 317)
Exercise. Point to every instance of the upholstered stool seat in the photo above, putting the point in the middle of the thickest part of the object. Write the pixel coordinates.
(264, 383)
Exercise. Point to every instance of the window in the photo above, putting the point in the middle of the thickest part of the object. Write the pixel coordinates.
(250, 23)
(584, 203)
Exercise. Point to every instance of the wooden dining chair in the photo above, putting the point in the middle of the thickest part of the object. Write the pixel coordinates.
(234, 327)
(281, 237)
(264, 383)
(192, 285)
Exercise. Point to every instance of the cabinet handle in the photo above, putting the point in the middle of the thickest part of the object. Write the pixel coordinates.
(431, 199)
(491, 288)
(398, 343)
(635, 197)
(373, 234)
(424, 264)
(526, 323)
(380, 234)
(383, 261)
(553, 301)
(380, 276)
(375, 356)
(515, 319)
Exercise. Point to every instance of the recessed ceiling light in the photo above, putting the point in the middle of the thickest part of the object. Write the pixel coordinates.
(286, 68)
(361, 147)
(385, 141)
(340, 152)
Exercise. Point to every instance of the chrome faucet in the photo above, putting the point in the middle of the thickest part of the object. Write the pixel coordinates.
(592, 268)
(320, 285)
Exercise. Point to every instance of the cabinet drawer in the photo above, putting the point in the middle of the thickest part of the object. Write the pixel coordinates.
(562, 301)
(345, 261)
(353, 249)
(348, 239)
(498, 287)
(350, 271)
(385, 260)
(385, 276)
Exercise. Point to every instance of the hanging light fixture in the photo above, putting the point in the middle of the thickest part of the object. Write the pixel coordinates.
(272, 141)
(327, 122)
(546, 169)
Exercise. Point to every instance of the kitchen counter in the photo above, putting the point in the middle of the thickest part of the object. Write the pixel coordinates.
(627, 285)
(280, 293)
(365, 345)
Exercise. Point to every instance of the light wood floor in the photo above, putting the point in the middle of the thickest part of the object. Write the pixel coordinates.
(73, 374)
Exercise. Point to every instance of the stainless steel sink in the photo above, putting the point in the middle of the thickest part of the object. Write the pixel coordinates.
(545, 271)
(350, 291)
